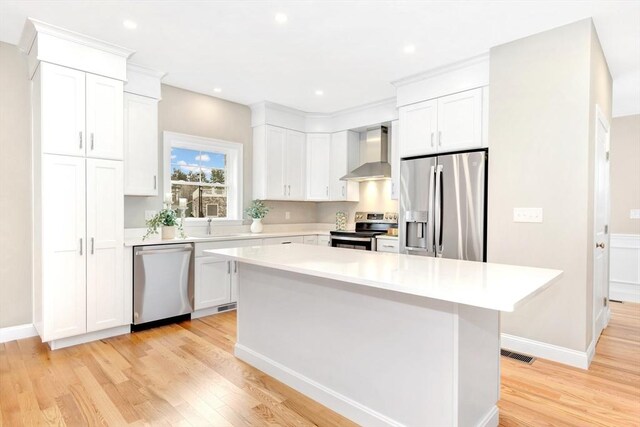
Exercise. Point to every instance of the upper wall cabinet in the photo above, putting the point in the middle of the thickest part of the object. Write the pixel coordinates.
(279, 163)
(345, 156)
(84, 113)
(446, 124)
(395, 160)
(318, 165)
(142, 93)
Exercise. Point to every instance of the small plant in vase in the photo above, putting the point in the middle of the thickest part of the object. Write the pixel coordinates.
(256, 212)
(167, 219)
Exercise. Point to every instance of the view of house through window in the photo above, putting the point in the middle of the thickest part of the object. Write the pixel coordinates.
(200, 177)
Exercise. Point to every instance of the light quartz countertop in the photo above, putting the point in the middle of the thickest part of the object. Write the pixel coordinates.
(224, 237)
(491, 286)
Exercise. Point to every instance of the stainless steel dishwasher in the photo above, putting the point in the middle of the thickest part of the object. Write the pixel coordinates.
(162, 282)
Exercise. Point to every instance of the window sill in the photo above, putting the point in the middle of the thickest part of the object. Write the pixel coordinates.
(204, 221)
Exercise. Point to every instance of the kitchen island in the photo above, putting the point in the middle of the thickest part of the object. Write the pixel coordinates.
(383, 339)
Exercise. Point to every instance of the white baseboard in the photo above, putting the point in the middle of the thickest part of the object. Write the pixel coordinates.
(624, 272)
(567, 356)
(491, 419)
(91, 336)
(18, 332)
(341, 404)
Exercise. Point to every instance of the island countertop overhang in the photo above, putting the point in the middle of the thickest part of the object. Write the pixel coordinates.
(486, 285)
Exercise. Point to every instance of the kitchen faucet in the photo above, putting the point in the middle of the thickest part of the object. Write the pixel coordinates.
(208, 226)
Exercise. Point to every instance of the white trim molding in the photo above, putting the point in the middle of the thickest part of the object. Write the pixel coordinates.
(18, 332)
(566, 356)
(624, 271)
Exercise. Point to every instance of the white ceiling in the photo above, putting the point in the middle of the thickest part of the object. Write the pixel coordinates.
(351, 50)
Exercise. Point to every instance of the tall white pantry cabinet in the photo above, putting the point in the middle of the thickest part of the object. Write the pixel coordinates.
(79, 291)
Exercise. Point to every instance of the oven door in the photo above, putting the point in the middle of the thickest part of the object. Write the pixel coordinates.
(362, 243)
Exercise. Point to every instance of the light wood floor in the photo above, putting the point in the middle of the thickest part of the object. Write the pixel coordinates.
(185, 374)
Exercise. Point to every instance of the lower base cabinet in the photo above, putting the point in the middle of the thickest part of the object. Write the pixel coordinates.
(215, 282)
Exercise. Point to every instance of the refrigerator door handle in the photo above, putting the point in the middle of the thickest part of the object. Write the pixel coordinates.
(430, 218)
(438, 212)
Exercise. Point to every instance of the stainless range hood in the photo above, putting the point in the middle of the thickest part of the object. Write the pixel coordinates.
(376, 164)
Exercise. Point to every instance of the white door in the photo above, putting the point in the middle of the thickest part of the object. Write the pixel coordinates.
(460, 121)
(62, 112)
(104, 109)
(601, 221)
(274, 163)
(395, 160)
(345, 156)
(63, 246)
(105, 240)
(140, 145)
(212, 285)
(318, 158)
(418, 126)
(295, 165)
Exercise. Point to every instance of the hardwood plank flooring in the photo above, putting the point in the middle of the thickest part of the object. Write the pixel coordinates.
(186, 374)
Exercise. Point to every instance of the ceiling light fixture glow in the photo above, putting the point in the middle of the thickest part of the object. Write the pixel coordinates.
(217, 90)
(281, 18)
(319, 92)
(129, 24)
(408, 49)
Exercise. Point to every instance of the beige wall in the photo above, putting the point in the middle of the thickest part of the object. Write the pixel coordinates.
(625, 173)
(15, 191)
(192, 113)
(540, 148)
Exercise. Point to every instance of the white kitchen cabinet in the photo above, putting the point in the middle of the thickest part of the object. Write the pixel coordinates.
(279, 163)
(345, 156)
(418, 128)
(318, 164)
(324, 240)
(60, 223)
(446, 124)
(84, 113)
(212, 282)
(282, 240)
(104, 117)
(395, 160)
(310, 240)
(234, 281)
(62, 96)
(140, 145)
(105, 245)
(387, 245)
(460, 121)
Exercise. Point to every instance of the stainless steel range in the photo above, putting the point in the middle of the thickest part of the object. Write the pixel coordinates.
(368, 226)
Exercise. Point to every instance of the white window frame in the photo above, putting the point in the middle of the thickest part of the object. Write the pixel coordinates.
(233, 181)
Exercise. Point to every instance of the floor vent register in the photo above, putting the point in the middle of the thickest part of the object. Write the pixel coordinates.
(517, 356)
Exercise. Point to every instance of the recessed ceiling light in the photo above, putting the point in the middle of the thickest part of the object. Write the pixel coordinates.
(281, 18)
(319, 92)
(409, 48)
(129, 24)
(217, 90)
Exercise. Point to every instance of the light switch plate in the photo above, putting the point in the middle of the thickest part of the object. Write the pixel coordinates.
(149, 214)
(527, 214)
(634, 214)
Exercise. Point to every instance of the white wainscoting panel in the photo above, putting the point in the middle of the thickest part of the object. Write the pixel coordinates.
(624, 270)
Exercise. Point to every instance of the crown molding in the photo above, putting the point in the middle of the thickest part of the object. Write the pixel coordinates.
(441, 70)
(145, 71)
(33, 27)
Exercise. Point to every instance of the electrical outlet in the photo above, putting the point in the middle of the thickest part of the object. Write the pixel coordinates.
(634, 214)
(287, 215)
(527, 214)
(149, 214)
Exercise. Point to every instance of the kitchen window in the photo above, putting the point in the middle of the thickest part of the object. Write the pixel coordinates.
(207, 173)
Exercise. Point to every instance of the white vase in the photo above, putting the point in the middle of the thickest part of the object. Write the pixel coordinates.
(168, 232)
(256, 225)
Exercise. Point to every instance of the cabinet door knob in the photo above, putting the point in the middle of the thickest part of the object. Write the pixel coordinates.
(600, 245)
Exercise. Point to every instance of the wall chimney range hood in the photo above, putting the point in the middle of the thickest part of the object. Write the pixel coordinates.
(376, 163)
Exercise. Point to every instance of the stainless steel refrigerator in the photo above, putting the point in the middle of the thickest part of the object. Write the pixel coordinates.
(443, 206)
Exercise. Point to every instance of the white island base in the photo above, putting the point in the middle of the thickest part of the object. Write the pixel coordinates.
(378, 358)
(383, 339)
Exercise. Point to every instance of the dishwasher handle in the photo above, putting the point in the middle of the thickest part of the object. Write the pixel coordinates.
(162, 251)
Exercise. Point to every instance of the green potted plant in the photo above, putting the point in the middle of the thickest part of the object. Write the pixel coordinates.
(167, 219)
(256, 211)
